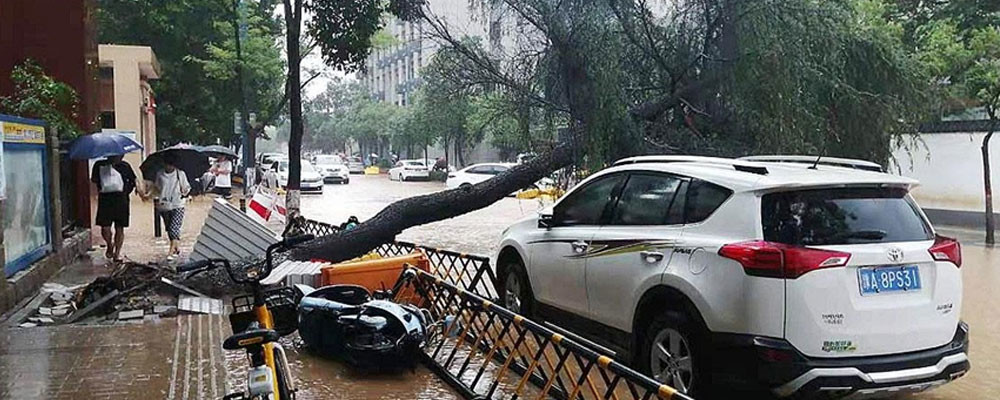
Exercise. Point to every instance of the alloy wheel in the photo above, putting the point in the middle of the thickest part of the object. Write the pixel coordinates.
(512, 293)
(670, 360)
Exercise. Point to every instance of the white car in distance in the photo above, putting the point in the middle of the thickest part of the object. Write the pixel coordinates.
(476, 173)
(309, 179)
(333, 168)
(405, 170)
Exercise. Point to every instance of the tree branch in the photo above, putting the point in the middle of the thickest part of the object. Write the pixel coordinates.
(413, 211)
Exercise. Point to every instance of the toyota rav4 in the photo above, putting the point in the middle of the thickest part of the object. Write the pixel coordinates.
(799, 276)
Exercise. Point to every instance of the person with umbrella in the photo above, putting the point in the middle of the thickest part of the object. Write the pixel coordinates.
(169, 190)
(223, 170)
(115, 180)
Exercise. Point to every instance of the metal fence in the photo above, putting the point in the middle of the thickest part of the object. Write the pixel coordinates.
(468, 271)
(488, 352)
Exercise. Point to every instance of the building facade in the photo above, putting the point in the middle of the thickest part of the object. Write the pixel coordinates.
(392, 71)
(127, 104)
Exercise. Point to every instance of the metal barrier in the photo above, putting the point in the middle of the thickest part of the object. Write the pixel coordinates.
(479, 347)
(489, 352)
(467, 271)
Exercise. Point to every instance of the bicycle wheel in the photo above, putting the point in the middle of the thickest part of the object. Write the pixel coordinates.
(284, 386)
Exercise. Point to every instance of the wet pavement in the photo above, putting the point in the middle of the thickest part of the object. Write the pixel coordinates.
(176, 358)
(181, 358)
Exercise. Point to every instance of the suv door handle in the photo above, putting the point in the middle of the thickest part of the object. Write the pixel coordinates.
(579, 246)
(651, 257)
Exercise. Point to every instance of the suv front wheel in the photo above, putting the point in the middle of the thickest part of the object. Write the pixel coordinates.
(671, 353)
(516, 293)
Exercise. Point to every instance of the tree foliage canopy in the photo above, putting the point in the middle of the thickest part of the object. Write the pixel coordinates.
(194, 40)
(37, 95)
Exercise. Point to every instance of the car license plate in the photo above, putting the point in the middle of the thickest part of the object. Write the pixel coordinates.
(877, 280)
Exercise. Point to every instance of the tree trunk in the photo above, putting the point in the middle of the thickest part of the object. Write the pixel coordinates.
(413, 211)
(988, 185)
(293, 25)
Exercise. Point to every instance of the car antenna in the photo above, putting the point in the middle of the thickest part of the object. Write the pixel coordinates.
(815, 163)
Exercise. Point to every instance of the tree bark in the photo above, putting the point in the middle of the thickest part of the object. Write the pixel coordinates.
(987, 184)
(413, 211)
(293, 25)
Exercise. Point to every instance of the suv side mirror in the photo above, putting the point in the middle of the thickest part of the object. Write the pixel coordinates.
(545, 221)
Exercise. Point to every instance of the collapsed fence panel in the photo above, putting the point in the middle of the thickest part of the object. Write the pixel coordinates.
(489, 352)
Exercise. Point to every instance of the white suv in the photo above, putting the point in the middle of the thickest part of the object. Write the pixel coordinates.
(787, 274)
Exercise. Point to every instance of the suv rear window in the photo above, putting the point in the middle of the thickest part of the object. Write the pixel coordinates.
(842, 216)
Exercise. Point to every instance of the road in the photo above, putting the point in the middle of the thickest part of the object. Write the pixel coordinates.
(478, 232)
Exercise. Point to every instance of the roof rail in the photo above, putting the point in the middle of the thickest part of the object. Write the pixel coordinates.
(821, 160)
(739, 165)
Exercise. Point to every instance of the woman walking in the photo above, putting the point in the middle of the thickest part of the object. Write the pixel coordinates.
(169, 191)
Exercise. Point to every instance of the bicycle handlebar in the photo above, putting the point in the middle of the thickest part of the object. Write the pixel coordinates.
(284, 244)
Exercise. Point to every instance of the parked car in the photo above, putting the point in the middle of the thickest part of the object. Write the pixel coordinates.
(476, 173)
(355, 165)
(797, 277)
(332, 168)
(309, 180)
(409, 169)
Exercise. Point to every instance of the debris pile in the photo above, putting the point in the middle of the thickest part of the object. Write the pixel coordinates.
(130, 294)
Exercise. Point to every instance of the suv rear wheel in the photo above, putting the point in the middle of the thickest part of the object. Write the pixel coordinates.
(671, 353)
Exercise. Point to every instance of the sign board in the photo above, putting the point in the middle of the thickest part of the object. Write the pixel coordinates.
(17, 132)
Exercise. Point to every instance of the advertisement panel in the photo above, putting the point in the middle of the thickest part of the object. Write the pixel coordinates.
(25, 181)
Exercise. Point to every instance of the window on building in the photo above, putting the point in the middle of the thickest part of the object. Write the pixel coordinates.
(107, 120)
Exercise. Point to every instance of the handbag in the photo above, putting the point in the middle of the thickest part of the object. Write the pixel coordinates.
(111, 180)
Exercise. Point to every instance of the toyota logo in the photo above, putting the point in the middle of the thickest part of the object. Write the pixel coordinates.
(895, 254)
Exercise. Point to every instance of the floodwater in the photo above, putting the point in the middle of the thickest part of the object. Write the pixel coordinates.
(180, 358)
(478, 232)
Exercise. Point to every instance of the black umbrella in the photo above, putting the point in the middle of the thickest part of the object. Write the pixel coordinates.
(216, 151)
(188, 158)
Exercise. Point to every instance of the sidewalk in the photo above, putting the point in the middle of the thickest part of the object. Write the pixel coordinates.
(175, 358)
(142, 246)
(171, 358)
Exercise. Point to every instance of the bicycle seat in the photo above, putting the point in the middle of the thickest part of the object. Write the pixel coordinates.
(250, 338)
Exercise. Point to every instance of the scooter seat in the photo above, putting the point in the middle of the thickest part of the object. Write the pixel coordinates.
(250, 338)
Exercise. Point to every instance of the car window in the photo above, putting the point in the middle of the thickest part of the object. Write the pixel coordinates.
(587, 205)
(702, 200)
(842, 216)
(328, 160)
(646, 200)
(398, 164)
(482, 169)
(498, 169)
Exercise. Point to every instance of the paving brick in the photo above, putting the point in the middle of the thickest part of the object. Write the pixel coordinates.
(114, 362)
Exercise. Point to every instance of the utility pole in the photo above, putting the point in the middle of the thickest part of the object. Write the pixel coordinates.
(240, 25)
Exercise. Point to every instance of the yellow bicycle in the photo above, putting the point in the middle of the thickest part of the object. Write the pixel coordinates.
(254, 327)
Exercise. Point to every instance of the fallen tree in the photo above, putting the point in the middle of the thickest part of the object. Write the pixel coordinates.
(419, 210)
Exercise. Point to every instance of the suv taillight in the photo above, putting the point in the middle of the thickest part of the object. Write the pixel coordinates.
(946, 249)
(777, 260)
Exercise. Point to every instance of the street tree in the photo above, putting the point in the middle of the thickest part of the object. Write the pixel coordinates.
(960, 48)
(37, 95)
(627, 77)
(194, 41)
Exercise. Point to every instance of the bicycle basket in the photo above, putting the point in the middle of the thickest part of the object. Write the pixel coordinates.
(283, 304)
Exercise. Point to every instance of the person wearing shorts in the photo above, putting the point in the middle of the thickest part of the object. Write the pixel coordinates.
(223, 170)
(170, 189)
(115, 180)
